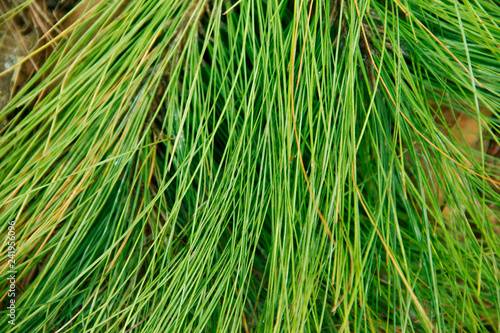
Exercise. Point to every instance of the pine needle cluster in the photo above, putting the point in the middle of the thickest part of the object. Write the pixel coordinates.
(257, 166)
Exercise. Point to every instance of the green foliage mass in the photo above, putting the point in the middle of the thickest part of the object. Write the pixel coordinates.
(257, 166)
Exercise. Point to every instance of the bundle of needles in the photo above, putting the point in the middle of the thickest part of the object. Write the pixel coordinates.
(254, 166)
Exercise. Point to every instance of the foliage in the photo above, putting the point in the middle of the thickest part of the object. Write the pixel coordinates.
(216, 166)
